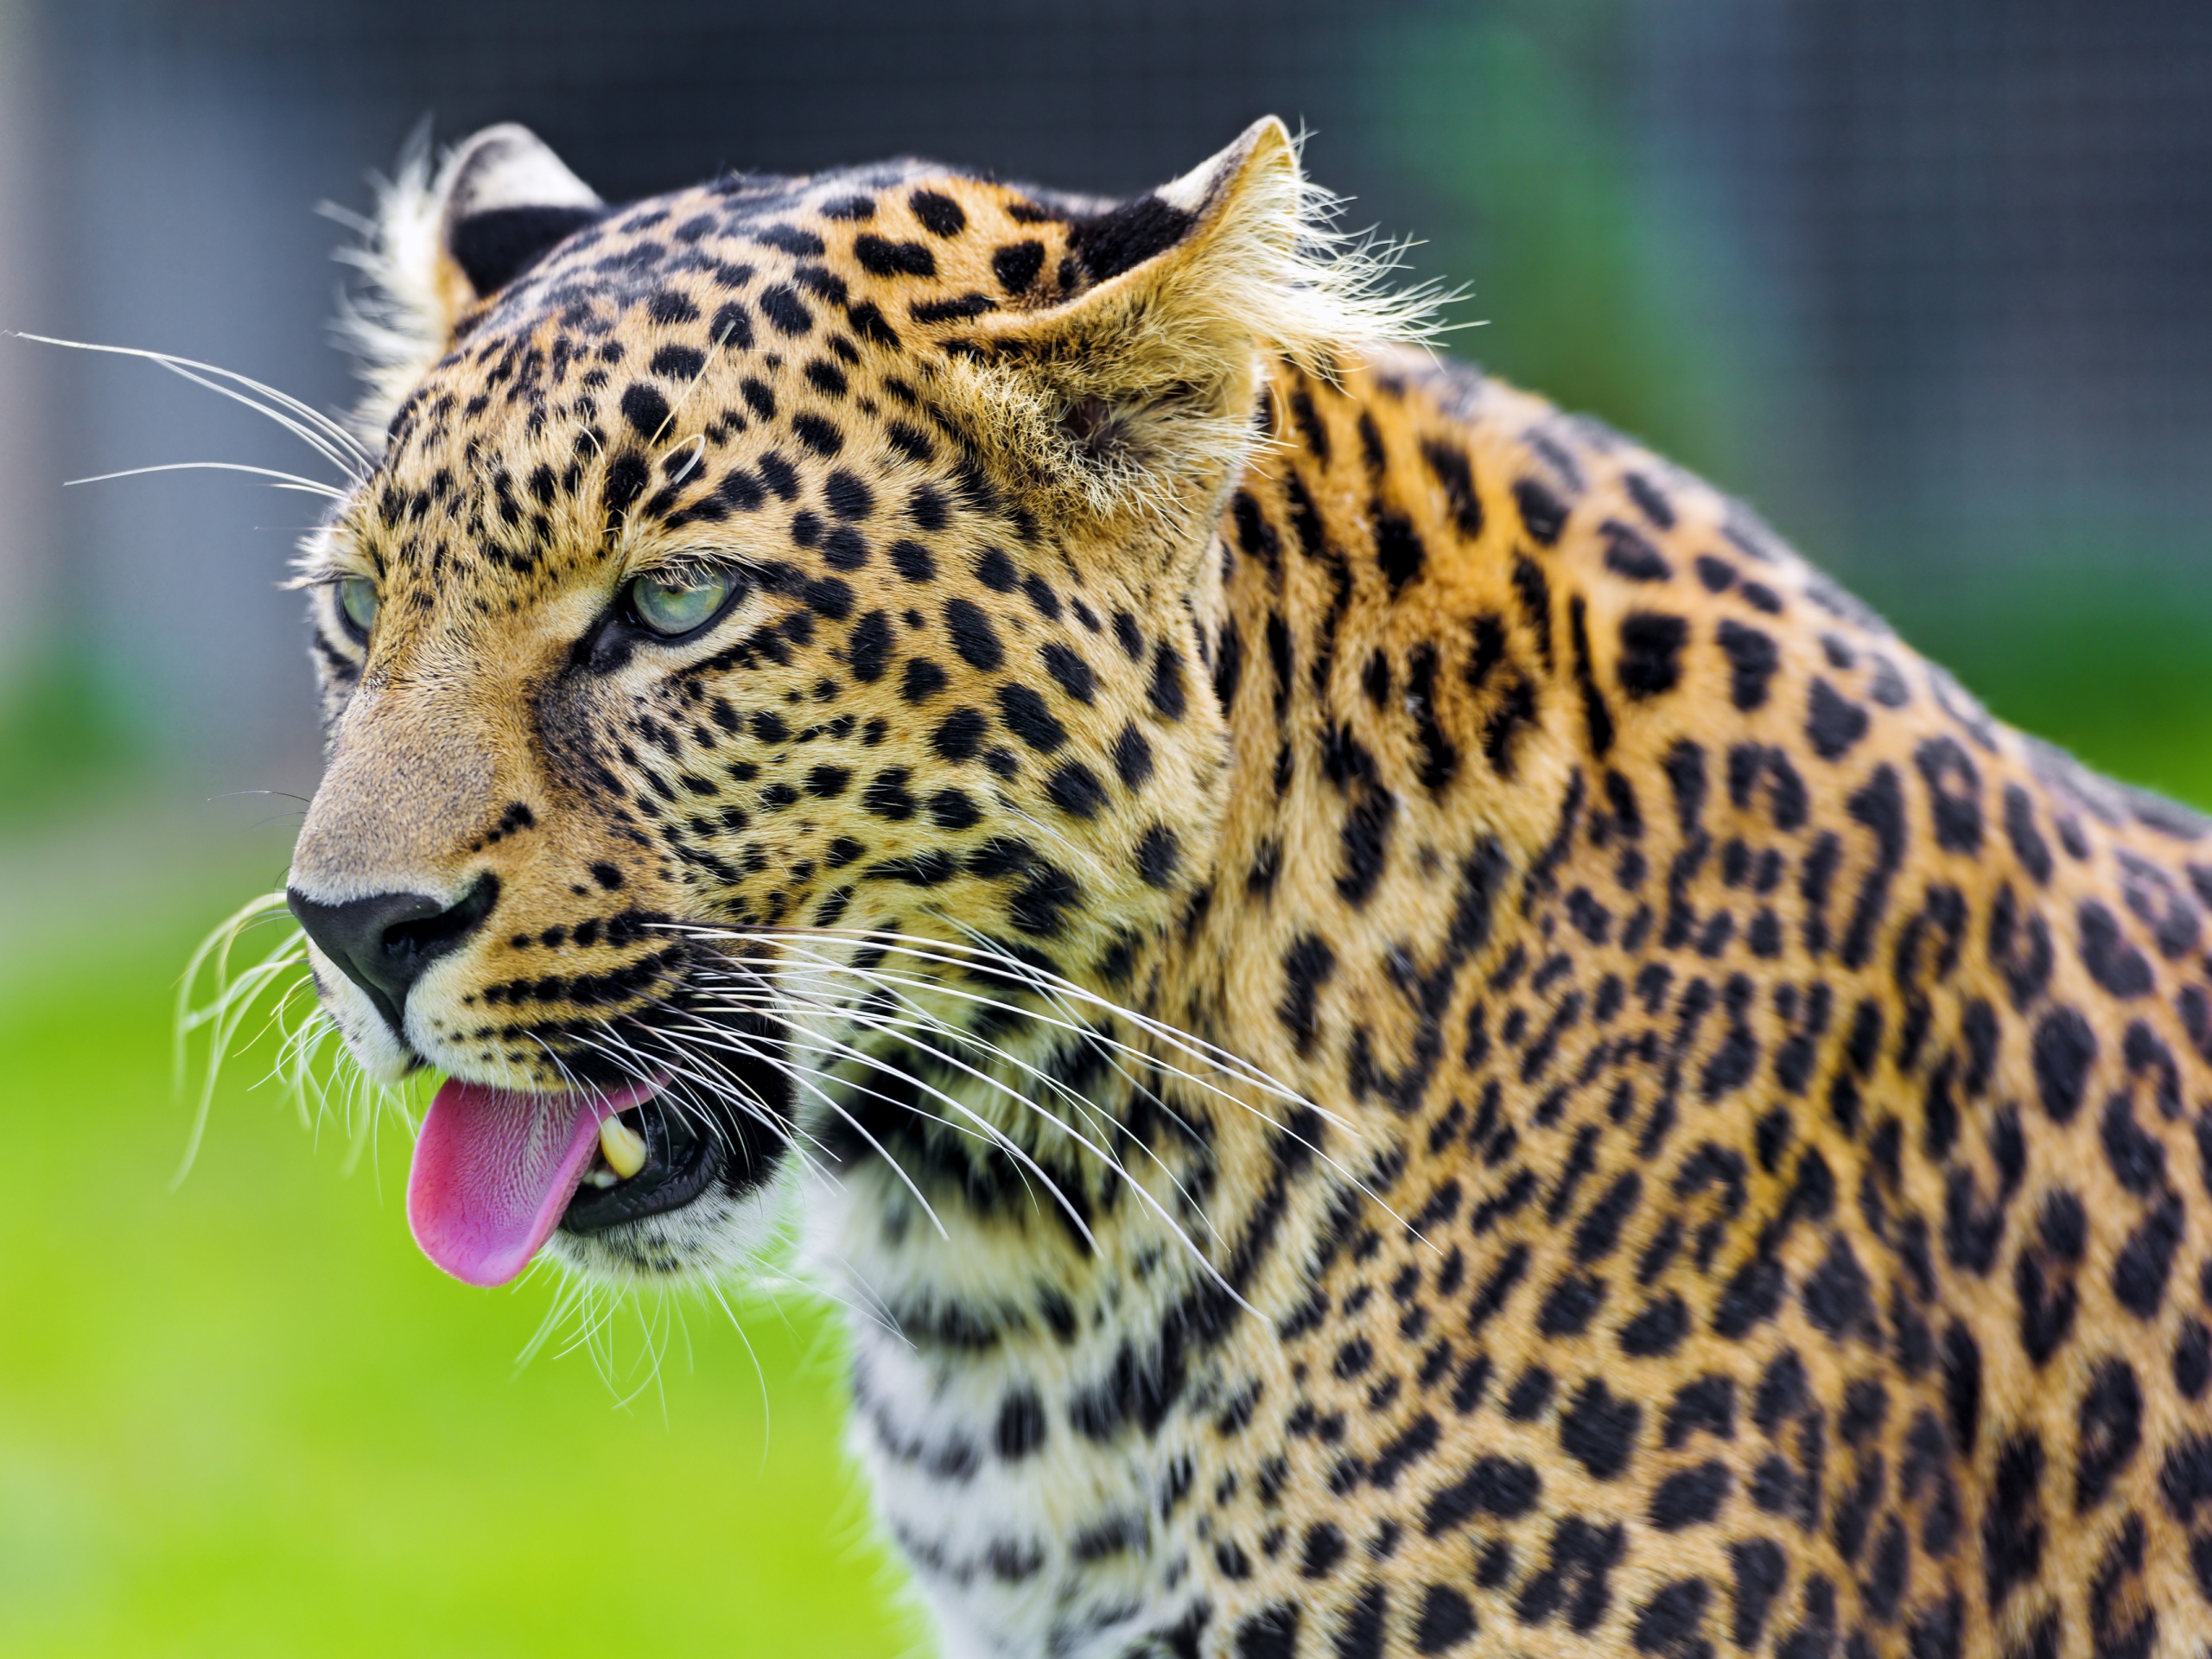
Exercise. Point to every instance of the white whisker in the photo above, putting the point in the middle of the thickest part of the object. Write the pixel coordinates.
(284, 480)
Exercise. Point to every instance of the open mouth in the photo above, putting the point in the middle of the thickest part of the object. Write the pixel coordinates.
(497, 1171)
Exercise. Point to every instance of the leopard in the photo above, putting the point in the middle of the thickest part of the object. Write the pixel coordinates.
(1394, 1030)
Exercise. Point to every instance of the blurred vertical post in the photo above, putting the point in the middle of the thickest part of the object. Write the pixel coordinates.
(27, 540)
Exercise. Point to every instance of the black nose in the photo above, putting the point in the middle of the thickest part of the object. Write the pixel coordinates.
(384, 942)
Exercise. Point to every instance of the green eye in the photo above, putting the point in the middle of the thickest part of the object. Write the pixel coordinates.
(679, 601)
(357, 597)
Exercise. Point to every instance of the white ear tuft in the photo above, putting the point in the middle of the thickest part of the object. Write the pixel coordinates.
(437, 246)
(1282, 267)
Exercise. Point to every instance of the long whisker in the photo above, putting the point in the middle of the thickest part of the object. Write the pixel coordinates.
(284, 480)
(989, 1132)
(944, 1030)
(1101, 1153)
(289, 412)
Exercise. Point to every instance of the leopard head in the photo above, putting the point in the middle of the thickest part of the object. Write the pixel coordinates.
(772, 644)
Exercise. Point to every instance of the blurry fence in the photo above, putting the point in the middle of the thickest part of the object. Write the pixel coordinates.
(1927, 278)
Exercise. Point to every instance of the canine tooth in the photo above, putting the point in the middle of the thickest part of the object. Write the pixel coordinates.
(622, 1146)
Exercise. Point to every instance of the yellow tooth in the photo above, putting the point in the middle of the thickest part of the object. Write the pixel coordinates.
(622, 1146)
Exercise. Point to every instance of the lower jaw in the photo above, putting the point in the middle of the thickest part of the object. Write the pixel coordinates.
(689, 1152)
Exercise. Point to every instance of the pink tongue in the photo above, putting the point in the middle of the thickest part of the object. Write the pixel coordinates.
(493, 1171)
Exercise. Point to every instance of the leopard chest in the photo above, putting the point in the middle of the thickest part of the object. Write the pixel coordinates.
(1030, 1449)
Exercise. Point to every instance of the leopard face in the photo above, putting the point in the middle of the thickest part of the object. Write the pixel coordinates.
(824, 554)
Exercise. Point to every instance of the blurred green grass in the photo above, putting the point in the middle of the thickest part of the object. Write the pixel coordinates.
(246, 1417)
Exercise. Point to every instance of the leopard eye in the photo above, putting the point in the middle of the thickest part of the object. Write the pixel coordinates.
(357, 598)
(678, 602)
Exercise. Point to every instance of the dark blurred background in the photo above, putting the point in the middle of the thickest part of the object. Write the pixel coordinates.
(1928, 281)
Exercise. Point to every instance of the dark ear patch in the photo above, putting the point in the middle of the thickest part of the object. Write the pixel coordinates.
(1127, 236)
(494, 247)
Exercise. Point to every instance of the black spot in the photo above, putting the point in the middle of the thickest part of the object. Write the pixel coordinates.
(677, 363)
(1879, 805)
(2028, 844)
(1365, 839)
(1307, 965)
(1398, 549)
(2110, 1427)
(1132, 757)
(1324, 1547)
(1446, 1621)
(1271, 1633)
(1158, 855)
(1658, 1330)
(1833, 722)
(846, 496)
(1028, 718)
(1651, 652)
(781, 305)
(1596, 715)
(940, 214)
(1448, 462)
(2193, 1359)
(1628, 554)
(1753, 659)
(1954, 790)
(2112, 962)
(1035, 907)
(973, 635)
(1690, 1497)
(1074, 788)
(923, 680)
(1534, 593)
(1649, 501)
(1544, 513)
(2063, 1049)
(953, 809)
(912, 560)
(1961, 1360)
(817, 434)
(1575, 1579)
(1502, 1487)
(1598, 1430)
(2138, 1159)
(1530, 1396)
(2139, 1274)
(2011, 1527)
(960, 735)
(1016, 265)
(1166, 692)
(1020, 1424)
(886, 797)
(1760, 1570)
(627, 474)
(880, 257)
(867, 648)
(1569, 1308)
(1072, 673)
(1672, 1624)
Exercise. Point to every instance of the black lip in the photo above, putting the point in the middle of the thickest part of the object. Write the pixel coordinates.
(695, 1134)
(681, 1157)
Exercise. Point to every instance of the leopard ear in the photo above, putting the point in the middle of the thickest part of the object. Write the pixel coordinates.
(1139, 393)
(440, 243)
(505, 198)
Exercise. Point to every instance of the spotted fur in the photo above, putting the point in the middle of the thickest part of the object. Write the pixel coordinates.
(1705, 1138)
